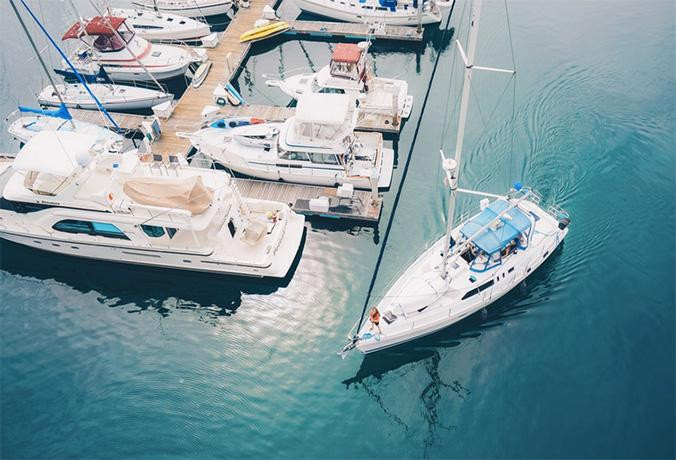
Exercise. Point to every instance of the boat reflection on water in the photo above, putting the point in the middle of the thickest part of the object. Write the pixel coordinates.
(147, 288)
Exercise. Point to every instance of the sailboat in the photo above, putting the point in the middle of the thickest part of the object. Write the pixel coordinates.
(113, 97)
(26, 122)
(392, 12)
(162, 26)
(190, 8)
(24, 127)
(477, 261)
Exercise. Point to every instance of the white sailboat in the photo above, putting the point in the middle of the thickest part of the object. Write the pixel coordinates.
(190, 8)
(317, 146)
(349, 72)
(66, 193)
(109, 43)
(112, 97)
(391, 12)
(477, 261)
(25, 123)
(162, 26)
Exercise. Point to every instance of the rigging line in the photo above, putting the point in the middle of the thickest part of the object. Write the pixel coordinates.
(403, 175)
(509, 31)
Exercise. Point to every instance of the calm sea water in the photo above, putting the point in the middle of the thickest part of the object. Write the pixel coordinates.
(102, 360)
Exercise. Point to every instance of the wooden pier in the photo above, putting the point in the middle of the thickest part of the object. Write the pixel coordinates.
(129, 123)
(353, 31)
(360, 207)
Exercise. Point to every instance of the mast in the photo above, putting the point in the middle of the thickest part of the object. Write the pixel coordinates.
(452, 166)
(39, 56)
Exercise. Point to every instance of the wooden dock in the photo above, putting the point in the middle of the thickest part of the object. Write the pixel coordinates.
(353, 31)
(360, 207)
(226, 57)
(129, 123)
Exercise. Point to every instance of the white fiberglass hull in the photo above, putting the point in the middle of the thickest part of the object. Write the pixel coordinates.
(307, 175)
(190, 8)
(112, 97)
(444, 309)
(349, 13)
(155, 26)
(24, 128)
(277, 268)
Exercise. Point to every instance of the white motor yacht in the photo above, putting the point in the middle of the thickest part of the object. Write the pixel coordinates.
(190, 8)
(66, 193)
(112, 97)
(317, 146)
(391, 12)
(349, 72)
(162, 26)
(106, 41)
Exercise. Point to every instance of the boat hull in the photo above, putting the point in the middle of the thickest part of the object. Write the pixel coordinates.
(144, 99)
(326, 9)
(205, 8)
(278, 268)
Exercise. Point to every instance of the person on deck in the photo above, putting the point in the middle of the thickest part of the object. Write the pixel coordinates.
(374, 316)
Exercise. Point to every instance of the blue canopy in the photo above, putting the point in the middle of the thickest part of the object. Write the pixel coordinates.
(61, 112)
(510, 227)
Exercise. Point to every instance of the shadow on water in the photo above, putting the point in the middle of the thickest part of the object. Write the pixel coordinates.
(145, 287)
(425, 352)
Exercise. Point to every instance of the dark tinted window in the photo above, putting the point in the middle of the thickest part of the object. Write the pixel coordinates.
(90, 228)
(152, 231)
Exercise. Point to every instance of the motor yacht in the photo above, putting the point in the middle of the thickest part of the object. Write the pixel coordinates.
(67, 193)
(108, 42)
(317, 146)
(349, 72)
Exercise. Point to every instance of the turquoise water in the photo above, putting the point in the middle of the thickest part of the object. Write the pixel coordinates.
(101, 360)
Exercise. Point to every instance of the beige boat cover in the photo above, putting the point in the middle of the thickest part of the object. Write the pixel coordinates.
(187, 193)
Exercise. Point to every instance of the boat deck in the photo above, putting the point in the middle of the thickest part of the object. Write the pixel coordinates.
(129, 123)
(353, 31)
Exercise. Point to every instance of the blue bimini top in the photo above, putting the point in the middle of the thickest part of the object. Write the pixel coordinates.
(509, 227)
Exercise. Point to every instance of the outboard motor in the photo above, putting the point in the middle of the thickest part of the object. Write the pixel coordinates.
(564, 222)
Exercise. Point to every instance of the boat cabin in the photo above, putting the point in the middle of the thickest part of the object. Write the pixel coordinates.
(323, 117)
(491, 246)
(348, 61)
(104, 34)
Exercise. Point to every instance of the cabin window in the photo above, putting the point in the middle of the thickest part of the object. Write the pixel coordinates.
(475, 291)
(232, 228)
(324, 158)
(22, 208)
(470, 293)
(153, 231)
(107, 230)
(331, 91)
(296, 156)
(171, 232)
(90, 228)
(485, 286)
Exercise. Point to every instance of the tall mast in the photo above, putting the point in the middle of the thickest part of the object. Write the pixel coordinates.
(453, 166)
(39, 56)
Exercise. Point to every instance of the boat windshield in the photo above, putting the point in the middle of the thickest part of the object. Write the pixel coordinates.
(107, 44)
